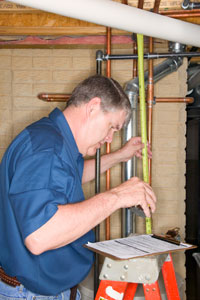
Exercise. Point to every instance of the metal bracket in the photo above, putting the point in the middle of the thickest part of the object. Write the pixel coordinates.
(143, 270)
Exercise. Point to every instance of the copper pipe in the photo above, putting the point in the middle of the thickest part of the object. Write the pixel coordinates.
(65, 97)
(135, 71)
(108, 148)
(150, 98)
(156, 6)
(180, 12)
(150, 92)
(141, 4)
(108, 63)
(186, 100)
(134, 60)
(54, 97)
(179, 16)
(188, 15)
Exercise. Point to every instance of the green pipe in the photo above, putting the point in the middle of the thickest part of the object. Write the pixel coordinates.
(143, 120)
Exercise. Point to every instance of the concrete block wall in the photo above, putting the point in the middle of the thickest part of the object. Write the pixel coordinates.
(26, 72)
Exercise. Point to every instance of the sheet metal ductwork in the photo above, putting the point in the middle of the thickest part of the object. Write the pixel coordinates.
(193, 77)
(129, 168)
(190, 5)
(160, 71)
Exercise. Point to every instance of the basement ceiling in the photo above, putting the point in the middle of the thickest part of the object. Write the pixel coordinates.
(17, 22)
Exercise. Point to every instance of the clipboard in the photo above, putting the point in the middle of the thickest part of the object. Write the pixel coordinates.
(136, 246)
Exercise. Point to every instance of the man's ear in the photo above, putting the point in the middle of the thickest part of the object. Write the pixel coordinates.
(93, 105)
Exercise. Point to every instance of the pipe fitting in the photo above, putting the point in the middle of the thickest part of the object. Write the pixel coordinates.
(176, 47)
(190, 5)
(163, 69)
(99, 55)
(185, 4)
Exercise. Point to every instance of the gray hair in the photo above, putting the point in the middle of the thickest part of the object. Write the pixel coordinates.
(107, 89)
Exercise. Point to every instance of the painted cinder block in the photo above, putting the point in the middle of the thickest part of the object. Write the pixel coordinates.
(5, 88)
(5, 76)
(21, 62)
(22, 89)
(5, 62)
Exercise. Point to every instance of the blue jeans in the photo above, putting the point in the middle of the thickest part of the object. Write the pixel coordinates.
(8, 292)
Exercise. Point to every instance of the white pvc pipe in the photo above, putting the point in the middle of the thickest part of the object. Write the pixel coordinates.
(116, 15)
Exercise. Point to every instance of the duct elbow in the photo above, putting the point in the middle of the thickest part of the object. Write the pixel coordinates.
(185, 4)
(176, 63)
(132, 86)
(190, 5)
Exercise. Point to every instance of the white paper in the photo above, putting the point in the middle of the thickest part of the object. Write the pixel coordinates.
(136, 246)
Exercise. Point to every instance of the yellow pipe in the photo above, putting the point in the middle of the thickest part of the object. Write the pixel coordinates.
(143, 117)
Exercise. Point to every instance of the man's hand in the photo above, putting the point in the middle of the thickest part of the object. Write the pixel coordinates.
(135, 192)
(71, 221)
(133, 148)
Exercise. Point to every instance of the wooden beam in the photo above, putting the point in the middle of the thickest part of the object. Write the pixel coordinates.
(52, 31)
(56, 31)
(20, 20)
(41, 23)
(8, 7)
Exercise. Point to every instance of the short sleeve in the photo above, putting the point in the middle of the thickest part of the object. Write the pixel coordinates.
(40, 183)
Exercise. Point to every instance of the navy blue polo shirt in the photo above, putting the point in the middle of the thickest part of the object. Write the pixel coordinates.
(41, 169)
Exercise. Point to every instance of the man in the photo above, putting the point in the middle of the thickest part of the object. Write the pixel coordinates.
(44, 221)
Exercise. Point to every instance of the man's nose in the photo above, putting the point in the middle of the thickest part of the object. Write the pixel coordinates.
(109, 137)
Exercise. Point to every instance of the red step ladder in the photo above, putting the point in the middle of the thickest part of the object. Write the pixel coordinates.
(125, 287)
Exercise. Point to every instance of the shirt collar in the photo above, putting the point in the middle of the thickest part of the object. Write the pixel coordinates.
(59, 120)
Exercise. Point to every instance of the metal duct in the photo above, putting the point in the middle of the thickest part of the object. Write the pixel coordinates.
(160, 71)
(190, 5)
(132, 90)
(129, 169)
(116, 15)
(193, 77)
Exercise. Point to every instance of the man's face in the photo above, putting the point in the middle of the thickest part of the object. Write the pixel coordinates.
(104, 126)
